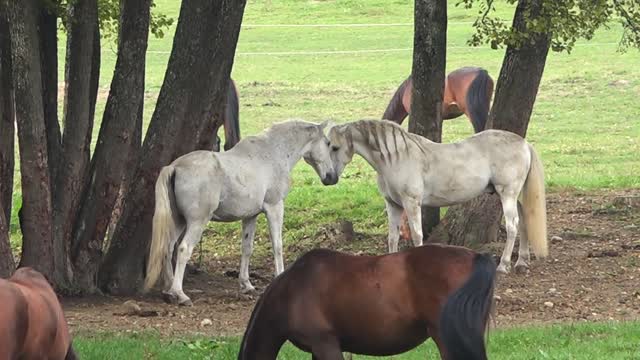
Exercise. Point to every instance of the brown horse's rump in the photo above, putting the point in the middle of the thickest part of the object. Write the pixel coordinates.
(33, 317)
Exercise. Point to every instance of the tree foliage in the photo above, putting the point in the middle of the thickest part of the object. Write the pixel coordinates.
(109, 17)
(566, 20)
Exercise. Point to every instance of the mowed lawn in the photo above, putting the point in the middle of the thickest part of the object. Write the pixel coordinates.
(611, 341)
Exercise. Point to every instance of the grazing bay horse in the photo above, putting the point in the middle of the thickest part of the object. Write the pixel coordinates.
(329, 302)
(414, 171)
(251, 178)
(231, 121)
(467, 90)
(32, 320)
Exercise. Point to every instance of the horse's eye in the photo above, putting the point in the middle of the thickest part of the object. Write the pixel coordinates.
(335, 148)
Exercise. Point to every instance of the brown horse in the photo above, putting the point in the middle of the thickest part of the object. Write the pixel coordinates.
(32, 320)
(231, 118)
(329, 302)
(467, 90)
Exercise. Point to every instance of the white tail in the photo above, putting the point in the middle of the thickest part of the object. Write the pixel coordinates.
(534, 207)
(164, 227)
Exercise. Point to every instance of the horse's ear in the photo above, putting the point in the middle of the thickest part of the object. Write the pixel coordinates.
(326, 126)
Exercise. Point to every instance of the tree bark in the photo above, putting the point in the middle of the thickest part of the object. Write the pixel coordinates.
(7, 134)
(7, 263)
(205, 42)
(117, 146)
(477, 222)
(428, 74)
(48, 34)
(7, 117)
(35, 215)
(81, 87)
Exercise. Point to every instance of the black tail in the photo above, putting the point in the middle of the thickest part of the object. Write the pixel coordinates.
(465, 314)
(478, 99)
(395, 110)
(231, 117)
(71, 354)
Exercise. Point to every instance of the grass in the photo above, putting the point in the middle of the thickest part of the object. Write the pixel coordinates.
(585, 129)
(613, 341)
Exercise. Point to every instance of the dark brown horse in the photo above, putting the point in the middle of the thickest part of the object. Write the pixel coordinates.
(231, 118)
(467, 90)
(32, 321)
(329, 302)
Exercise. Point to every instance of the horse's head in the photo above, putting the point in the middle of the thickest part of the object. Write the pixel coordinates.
(341, 147)
(319, 156)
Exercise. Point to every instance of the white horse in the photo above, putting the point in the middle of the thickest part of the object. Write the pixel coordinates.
(239, 184)
(413, 171)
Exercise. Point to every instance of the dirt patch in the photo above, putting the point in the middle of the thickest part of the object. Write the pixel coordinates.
(592, 274)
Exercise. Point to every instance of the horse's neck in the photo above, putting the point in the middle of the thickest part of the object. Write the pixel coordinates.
(410, 143)
(289, 148)
(373, 158)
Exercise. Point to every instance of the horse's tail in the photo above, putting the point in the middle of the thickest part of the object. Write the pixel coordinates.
(395, 110)
(465, 314)
(231, 117)
(71, 354)
(478, 99)
(534, 206)
(164, 226)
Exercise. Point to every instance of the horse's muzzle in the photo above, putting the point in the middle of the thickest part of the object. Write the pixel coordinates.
(330, 179)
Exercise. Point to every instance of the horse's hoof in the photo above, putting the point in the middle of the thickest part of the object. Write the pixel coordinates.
(521, 268)
(502, 269)
(170, 298)
(248, 290)
(186, 302)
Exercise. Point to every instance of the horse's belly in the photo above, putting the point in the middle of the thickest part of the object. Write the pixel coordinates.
(387, 339)
(235, 206)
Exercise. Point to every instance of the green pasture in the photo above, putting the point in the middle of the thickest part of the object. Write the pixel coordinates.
(585, 125)
(612, 341)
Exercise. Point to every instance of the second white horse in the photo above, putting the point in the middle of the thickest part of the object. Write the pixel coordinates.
(413, 172)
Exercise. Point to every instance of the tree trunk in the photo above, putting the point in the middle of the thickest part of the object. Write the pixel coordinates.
(7, 263)
(35, 215)
(204, 43)
(48, 31)
(7, 134)
(118, 141)
(7, 117)
(477, 222)
(428, 74)
(71, 172)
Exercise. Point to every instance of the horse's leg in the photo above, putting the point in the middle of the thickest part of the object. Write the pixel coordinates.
(414, 214)
(248, 233)
(191, 238)
(394, 212)
(275, 215)
(168, 266)
(510, 207)
(433, 332)
(326, 349)
(523, 251)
